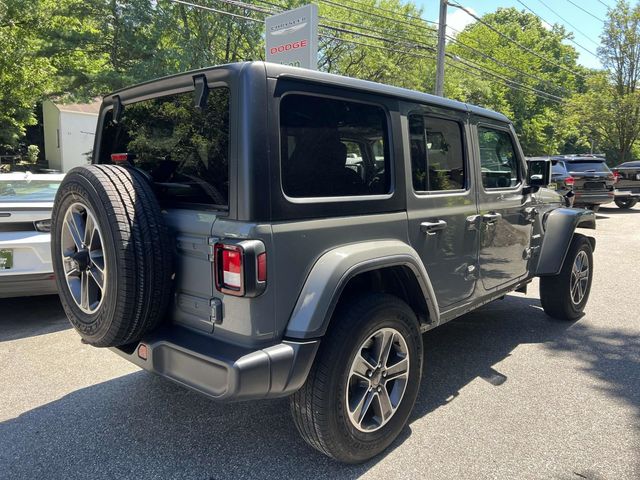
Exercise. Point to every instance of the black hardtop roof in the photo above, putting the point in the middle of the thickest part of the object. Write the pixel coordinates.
(282, 71)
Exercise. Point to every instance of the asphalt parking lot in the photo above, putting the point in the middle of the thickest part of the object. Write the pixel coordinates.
(507, 393)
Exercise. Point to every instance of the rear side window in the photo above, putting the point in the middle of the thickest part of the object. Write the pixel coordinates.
(585, 166)
(333, 148)
(498, 159)
(437, 161)
(184, 150)
(558, 168)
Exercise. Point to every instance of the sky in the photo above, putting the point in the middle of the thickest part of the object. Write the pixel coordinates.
(588, 26)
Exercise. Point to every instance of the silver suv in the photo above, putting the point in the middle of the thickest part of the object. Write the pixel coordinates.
(253, 231)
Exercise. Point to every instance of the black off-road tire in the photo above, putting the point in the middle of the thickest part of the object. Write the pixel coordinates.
(626, 203)
(137, 253)
(555, 291)
(318, 408)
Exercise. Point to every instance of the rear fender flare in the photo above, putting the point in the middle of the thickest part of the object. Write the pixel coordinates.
(333, 270)
(560, 226)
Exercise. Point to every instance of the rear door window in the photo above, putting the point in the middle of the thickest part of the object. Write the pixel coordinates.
(184, 150)
(333, 148)
(437, 160)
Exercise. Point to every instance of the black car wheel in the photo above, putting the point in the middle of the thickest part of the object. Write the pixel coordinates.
(364, 381)
(564, 296)
(626, 203)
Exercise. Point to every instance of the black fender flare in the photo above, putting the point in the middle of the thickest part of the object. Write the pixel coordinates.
(328, 277)
(559, 227)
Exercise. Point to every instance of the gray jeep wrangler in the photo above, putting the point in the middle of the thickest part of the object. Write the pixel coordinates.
(255, 231)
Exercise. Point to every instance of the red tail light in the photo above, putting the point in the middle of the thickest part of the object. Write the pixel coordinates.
(240, 267)
(119, 157)
(232, 267)
(262, 267)
(616, 177)
(570, 182)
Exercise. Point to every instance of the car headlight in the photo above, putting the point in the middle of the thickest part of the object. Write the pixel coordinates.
(43, 225)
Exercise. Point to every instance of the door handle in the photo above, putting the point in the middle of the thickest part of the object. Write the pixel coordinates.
(430, 228)
(491, 217)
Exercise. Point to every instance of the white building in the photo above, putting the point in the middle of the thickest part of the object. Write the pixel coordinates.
(69, 131)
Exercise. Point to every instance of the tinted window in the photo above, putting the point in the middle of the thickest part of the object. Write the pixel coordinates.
(437, 161)
(587, 166)
(333, 148)
(558, 168)
(498, 159)
(184, 150)
(28, 190)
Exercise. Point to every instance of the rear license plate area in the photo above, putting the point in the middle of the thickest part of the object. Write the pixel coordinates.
(594, 186)
(6, 259)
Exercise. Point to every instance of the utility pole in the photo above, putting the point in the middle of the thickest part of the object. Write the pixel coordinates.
(442, 30)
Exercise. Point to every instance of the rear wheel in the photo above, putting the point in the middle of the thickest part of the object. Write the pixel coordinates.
(593, 208)
(364, 382)
(111, 254)
(626, 203)
(565, 295)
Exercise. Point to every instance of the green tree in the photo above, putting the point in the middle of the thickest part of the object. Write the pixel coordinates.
(620, 55)
(536, 116)
(23, 76)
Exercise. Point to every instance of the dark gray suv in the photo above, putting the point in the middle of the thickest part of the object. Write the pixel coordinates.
(253, 231)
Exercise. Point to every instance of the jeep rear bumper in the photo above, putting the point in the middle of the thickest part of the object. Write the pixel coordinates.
(222, 371)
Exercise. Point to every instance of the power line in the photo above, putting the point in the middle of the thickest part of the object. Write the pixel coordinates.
(608, 7)
(585, 11)
(498, 62)
(383, 17)
(430, 47)
(211, 9)
(515, 42)
(407, 15)
(545, 21)
(508, 82)
(567, 22)
(475, 66)
(407, 43)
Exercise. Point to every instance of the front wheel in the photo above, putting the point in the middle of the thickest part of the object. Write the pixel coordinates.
(626, 203)
(565, 295)
(364, 382)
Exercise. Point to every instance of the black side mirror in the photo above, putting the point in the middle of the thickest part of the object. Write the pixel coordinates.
(538, 174)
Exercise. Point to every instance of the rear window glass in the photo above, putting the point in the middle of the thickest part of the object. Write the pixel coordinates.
(333, 148)
(587, 166)
(183, 149)
(28, 190)
(557, 167)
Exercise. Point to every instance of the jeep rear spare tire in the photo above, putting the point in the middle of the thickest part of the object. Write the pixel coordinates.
(111, 254)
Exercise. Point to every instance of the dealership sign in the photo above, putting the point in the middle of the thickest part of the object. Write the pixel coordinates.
(292, 37)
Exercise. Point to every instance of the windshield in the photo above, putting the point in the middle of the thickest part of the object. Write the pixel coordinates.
(27, 190)
(586, 166)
